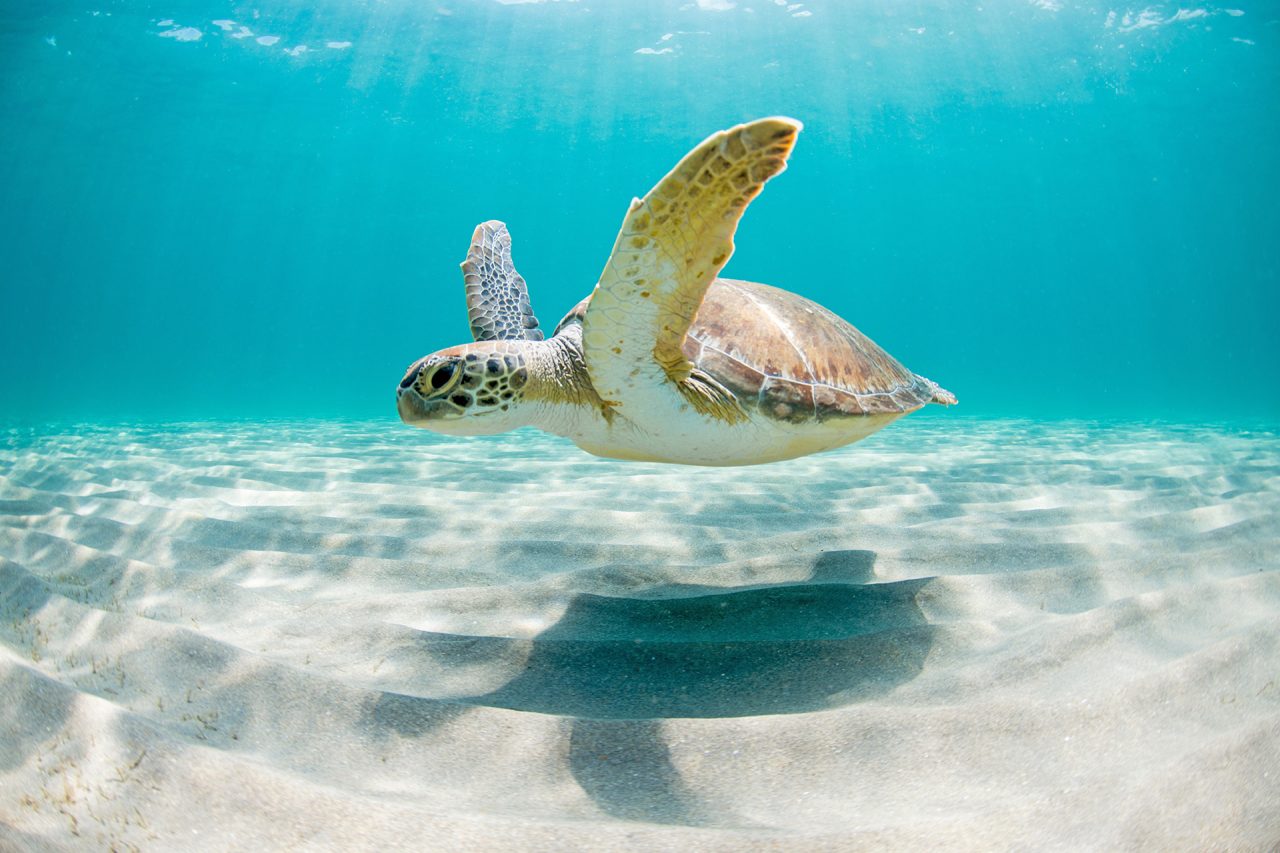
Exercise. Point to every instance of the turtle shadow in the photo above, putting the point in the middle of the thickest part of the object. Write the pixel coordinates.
(693, 651)
(621, 666)
(618, 668)
(625, 767)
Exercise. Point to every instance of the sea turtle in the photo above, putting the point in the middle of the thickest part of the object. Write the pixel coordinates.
(664, 361)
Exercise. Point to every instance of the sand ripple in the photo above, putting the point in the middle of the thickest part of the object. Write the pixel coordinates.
(321, 635)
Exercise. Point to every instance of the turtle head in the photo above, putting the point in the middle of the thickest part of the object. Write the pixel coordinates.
(473, 389)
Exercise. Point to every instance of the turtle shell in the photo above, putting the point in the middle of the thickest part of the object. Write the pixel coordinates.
(790, 358)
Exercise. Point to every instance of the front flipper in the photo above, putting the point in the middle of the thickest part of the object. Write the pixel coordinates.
(672, 244)
(497, 297)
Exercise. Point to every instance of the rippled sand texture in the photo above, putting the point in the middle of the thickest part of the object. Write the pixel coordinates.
(337, 636)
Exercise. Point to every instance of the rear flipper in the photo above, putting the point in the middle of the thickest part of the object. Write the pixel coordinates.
(940, 394)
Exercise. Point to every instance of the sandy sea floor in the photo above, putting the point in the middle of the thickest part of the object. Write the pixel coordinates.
(330, 635)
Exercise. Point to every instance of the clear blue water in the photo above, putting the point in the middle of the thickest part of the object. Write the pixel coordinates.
(1053, 208)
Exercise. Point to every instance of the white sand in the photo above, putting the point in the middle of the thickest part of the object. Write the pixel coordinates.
(953, 636)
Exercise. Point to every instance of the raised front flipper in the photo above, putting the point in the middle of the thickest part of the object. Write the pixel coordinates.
(497, 297)
(672, 244)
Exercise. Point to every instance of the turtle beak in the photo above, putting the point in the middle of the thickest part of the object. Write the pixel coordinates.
(410, 406)
(414, 410)
(409, 403)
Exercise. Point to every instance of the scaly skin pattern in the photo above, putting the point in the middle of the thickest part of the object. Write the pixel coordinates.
(497, 298)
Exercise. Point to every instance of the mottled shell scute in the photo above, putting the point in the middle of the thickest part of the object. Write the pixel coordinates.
(785, 399)
(794, 359)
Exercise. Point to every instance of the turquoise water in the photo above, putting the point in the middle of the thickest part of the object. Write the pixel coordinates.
(1052, 208)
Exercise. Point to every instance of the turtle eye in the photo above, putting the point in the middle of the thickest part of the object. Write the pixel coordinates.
(442, 375)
